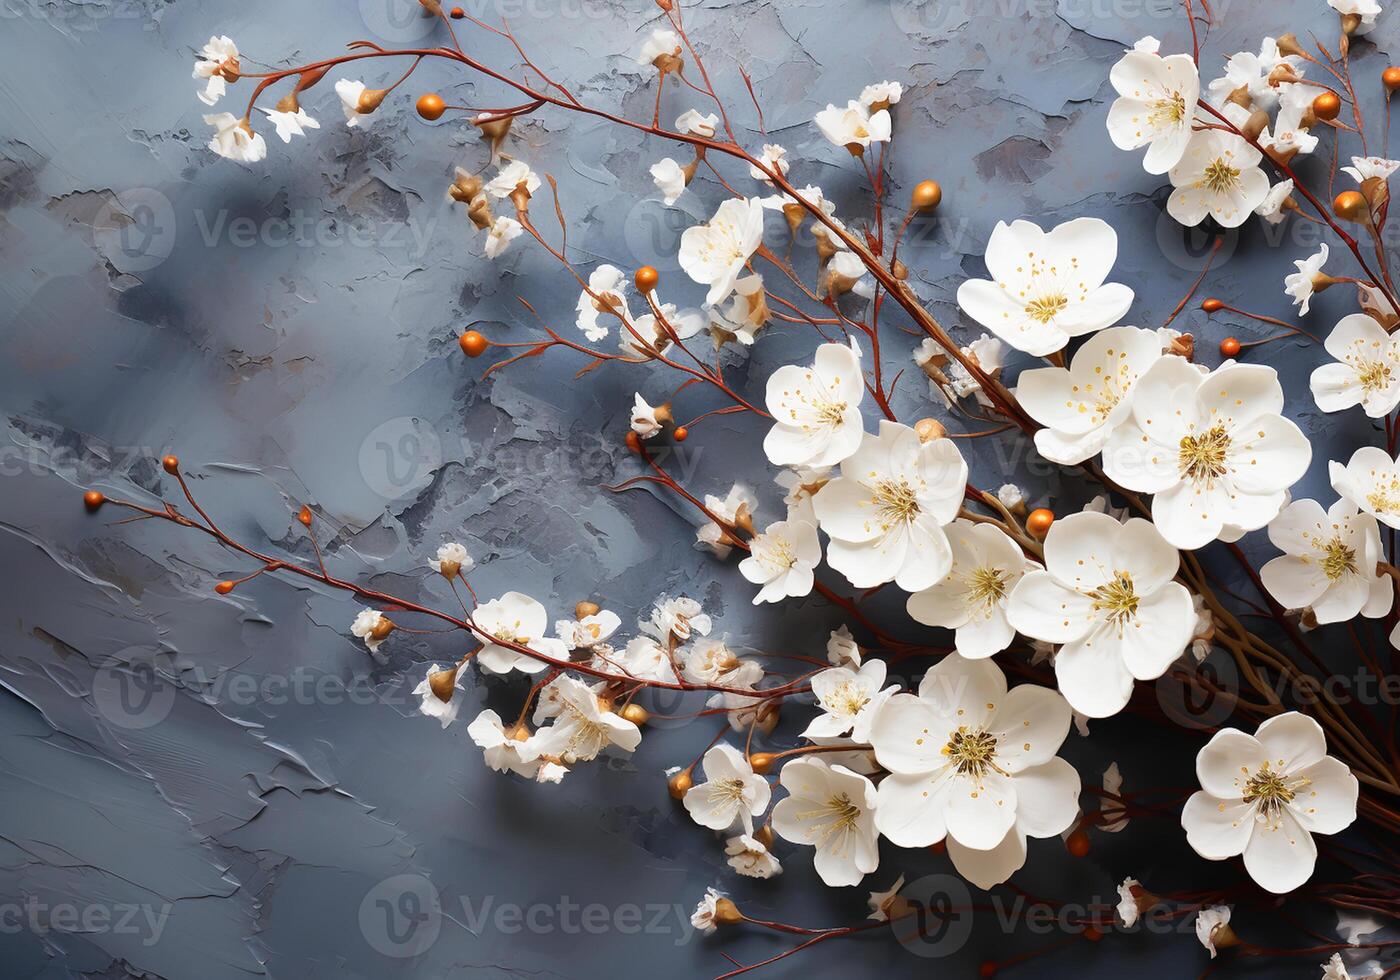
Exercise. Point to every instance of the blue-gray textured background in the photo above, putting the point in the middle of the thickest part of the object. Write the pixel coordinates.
(269, 804)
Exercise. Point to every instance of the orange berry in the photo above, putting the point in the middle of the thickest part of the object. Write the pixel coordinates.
(93, 499)
(1092, 934)
(458, 13)
(304, 515)
(634, 443)
(1039, 521)
(987, 969)
(1229, 347)
(646, 278)
(1391, 78)
(171, 464)
(1350, 206)
(681, 434)
(762, 762)
(224, 588)
(1327, 106)
(1212, 305)
(1078, 844)
(926, 196)
(473, 343)
(431, 106)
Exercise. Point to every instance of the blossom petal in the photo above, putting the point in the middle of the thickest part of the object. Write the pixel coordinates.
(1047, 798)
(1217, 829)
(1281, 855)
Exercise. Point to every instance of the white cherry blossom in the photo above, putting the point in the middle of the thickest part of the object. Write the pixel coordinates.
(1363, 169)
(677, 617)
(588, 632)
(1367, 372)
(350, 92)
(1288, 134)
(1274, 208)
(704, 916)
(782, 560)
(842, 649)
(1155, 107)
(750, 858)
(972, 598)
(1328, 563)
(1047, 287)
(502, 232)
(816, 410)
(512, 176)
(1213, 449)
(832, 809)
(774, 157)
(1082, 405)
(606, 294)
(1371, 481)
(452, 559)
(1302, 284)
(746, 314)
(849, 699)
(233, 139)
(696, 124)
(714, 254)
(1265, 795)
(644, 419)
(432, 706)
(217, 60)
(976, 764)
(659, 42)
(367, 623)
(289, 124)
(1255, 73)
(854, 127)
(1219, 176)
(584, 726)
(732, 791)
(1107, 594)
(1209, 924)
(669, 178)
(515, 618)
(886, 512)
(736, 508)
(881, 95)
(500, 750)
(1366, 10)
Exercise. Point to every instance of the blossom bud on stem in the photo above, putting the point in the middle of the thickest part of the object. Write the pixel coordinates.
(441, 683)
(929, 429)
(370, 99)
(679, 783)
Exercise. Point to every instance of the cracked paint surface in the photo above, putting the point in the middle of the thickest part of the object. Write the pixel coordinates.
(232, 779)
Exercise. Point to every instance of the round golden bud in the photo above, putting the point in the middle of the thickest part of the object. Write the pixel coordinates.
(927, 196)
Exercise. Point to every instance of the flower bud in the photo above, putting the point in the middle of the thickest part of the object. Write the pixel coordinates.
(1288, 45)
(636, 714)
(370, 99)
(727, 913)
(493, 131)
(93, 499)
(382, 629)
(583, 610)
(929, 429)
(762, 762)
(479, 211)
(441, 683)
(927, 195)
(679, 783)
